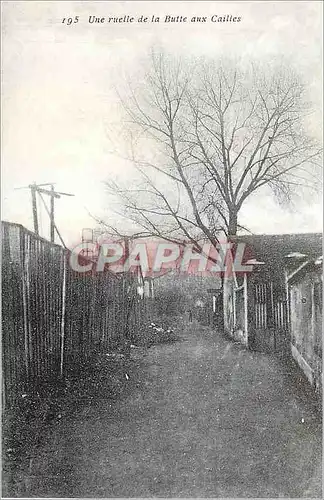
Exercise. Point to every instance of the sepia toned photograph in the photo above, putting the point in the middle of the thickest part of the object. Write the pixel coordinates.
(161, 242)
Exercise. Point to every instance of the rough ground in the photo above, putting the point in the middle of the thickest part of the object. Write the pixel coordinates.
(209, 419)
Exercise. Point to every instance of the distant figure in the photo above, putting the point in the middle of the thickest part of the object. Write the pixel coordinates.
(190, 316)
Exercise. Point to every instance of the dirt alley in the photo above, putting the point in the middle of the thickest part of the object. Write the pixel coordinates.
(211, 419)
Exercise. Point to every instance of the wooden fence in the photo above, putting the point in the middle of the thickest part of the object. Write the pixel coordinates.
(54, 319)
(256, 313)
(305, 286)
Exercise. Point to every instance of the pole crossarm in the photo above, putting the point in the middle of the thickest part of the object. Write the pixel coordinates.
(38, 188)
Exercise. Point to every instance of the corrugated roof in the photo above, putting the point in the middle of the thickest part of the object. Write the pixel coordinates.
(274, 248)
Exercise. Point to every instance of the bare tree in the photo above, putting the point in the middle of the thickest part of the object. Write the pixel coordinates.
(204, 139)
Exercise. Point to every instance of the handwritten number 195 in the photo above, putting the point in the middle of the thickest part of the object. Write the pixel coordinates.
(70, 20)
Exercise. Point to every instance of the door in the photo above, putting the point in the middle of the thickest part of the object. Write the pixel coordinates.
(270, 324)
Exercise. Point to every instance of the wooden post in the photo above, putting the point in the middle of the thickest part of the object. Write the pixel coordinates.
(52, 215)
(63, 312)
(33, 188)
(128, 285)
(246, 310)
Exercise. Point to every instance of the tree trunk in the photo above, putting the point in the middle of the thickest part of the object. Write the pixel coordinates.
(227, 310)
(232, 223)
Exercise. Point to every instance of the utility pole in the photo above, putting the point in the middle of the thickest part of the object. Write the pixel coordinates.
(52, 194)
(38, 188)
(33, 188)
(52, 213)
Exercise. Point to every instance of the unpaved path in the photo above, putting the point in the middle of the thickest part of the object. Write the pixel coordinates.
(211, 420)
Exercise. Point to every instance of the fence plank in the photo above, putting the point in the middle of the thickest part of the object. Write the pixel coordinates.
(54, 318)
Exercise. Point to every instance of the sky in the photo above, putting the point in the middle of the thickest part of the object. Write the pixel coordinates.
(59, 102)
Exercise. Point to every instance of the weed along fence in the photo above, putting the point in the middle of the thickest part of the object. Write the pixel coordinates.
(53, 319)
